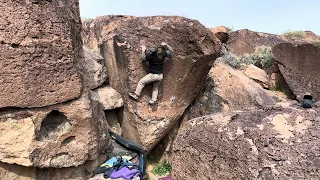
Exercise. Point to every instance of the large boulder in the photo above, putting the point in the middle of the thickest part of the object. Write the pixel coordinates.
(52, 126)
(275, 143)
(246, 42)
(299, 65)
(196, 49)
(228, 89)
(57, 136)
(92, 69)
(39, 44)
(108, 97)
(257, 74)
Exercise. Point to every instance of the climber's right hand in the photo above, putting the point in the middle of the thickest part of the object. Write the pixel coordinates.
(143, 48)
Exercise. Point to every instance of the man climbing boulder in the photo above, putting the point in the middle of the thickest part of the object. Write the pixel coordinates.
(195, 50)
(155, 58)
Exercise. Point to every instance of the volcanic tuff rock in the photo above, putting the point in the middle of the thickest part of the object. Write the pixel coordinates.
(57, 136)
(52, 126)
(39, 44)
(245, 41)
(228, 89)
(221, 33)
(93, 30)
(257, 74)
(299, 65)
(16, 172)
(274, 143)
(92, 69)
(303, 36)
(108, 97)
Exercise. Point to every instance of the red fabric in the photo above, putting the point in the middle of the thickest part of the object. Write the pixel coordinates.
(166, 178)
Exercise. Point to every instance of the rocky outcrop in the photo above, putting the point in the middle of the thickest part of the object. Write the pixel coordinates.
(228, 89)
(257, 74)
(311, 36)
(195, 51)
(301, 36)
(94, 30)
(221, 33)
(92, 69)
(274, 143)
(245, 41)
(108, 97)
(52, 123)
(57, 136)
(16, 172)
(38, 52)
(299, 65)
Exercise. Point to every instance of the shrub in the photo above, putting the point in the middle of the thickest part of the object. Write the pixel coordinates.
(85, 19)
(229, 29)
(262, 58)
(295, 34)
(162, 169)
(316, 40)
(228, 58)
(284, 89)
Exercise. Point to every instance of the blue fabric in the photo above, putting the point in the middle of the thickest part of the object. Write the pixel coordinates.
(111, 161)
(123, 168)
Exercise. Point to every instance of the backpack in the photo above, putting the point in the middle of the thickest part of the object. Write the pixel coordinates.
(122, 166)
(307, 101)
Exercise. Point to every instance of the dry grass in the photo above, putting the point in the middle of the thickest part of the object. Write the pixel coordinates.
(295, 34)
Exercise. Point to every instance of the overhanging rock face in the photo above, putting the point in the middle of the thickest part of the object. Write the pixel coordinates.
(39, 44)
(196, 49)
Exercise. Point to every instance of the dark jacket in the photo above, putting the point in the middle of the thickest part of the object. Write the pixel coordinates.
(155, 62)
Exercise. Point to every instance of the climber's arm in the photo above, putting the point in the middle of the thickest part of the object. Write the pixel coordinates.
(143, 53)
(169, 49)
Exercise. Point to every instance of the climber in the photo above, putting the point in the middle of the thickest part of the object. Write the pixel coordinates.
(155, 58)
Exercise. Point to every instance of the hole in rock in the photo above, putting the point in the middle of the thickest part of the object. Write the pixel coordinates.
(68, 140)
(15, 45)
(53, 126)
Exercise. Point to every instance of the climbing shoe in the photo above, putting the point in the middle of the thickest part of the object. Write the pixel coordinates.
(133, 95)
(152, 102)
